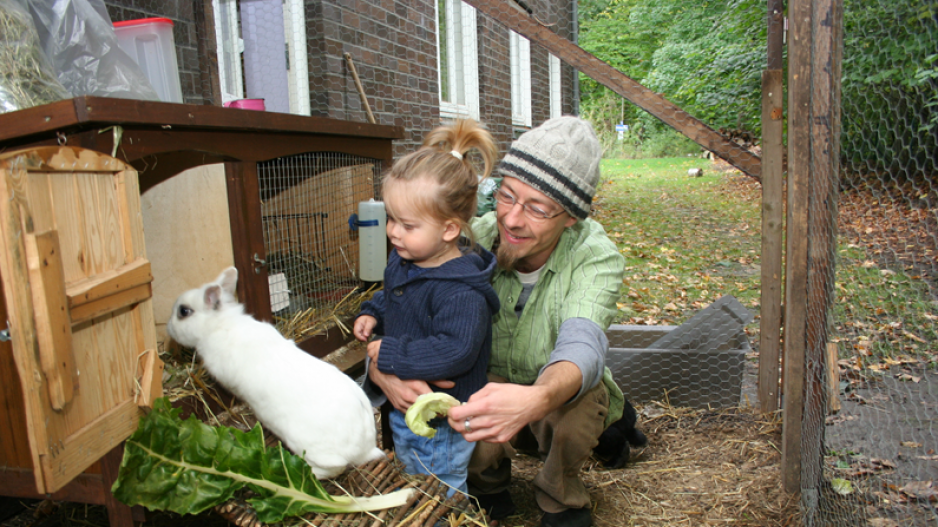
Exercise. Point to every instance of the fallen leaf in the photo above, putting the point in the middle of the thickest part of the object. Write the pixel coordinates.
(928, 458)
(910, 444)
(842, 486)
(923, 490)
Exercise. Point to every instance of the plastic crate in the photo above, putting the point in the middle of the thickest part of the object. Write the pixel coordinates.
(149, 41)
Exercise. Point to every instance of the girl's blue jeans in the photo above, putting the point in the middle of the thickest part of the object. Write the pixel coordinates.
(445, 455)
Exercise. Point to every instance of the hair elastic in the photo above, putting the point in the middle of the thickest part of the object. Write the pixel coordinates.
(456, 154)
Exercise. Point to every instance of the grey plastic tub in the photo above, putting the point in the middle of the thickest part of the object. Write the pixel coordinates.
(688, 378)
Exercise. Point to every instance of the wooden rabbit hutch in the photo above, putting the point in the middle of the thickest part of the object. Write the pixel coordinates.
(79, 362)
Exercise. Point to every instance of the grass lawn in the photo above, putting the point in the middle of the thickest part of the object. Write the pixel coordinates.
(687, 240)
(690, 240)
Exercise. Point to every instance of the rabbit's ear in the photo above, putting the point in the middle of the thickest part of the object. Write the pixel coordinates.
(213, 297)
(228, 279)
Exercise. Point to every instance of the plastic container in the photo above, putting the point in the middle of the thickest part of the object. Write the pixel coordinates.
(246, 104)
(149, 41)
(372, 240)
(686, 378)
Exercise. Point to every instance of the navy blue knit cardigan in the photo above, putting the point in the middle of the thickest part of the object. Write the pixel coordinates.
(438, 324)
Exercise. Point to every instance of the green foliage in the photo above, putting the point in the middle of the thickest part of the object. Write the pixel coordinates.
(188, 467)
(706, 57)
(890, 87)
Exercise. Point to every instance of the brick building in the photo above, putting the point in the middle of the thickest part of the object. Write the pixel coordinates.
(412, 74)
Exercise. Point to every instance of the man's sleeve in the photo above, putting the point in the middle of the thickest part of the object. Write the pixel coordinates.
(590, 306)
(582, 342)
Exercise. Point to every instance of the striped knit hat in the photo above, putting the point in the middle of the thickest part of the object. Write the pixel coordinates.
(559, 158)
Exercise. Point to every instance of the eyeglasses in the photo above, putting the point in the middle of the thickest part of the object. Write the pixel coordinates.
(532, 212)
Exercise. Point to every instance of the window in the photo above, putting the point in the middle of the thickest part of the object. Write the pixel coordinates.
(273, 70)
(556, 108)
(520, 80)
(458, 60)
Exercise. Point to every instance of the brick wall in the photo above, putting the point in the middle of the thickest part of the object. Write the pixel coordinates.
(495, 70)
(393, 46)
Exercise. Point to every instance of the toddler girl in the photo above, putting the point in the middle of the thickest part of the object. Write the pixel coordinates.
(433, 319)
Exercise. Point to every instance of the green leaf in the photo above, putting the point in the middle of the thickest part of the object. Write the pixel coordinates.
(188, 467)
(842, 486)
(426, 407)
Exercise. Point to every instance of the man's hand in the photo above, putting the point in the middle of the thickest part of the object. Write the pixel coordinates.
(500, 410)
(363, 327)
(400, 393)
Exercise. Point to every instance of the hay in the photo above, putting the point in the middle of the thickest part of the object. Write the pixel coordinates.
(318, 321)
(699, 468)
(426, 508)
(26, 77)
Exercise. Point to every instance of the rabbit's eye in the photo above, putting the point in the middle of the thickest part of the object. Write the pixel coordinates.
(184, 311)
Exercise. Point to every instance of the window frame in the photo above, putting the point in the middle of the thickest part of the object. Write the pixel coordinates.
(520, 52)
(461, 44)
(556, 86)
(229, 48)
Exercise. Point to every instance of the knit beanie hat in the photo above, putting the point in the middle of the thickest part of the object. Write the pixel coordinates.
(559, 158)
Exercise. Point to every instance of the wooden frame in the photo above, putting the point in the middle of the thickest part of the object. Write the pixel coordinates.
(161, 140)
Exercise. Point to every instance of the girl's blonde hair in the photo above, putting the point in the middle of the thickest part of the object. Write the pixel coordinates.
(444, 160)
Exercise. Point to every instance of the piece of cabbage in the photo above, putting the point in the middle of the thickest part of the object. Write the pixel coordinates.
(426, 407)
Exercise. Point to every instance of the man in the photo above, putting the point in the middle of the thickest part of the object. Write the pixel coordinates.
(558, 282)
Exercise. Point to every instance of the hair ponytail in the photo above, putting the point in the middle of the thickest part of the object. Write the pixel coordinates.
(444, 160)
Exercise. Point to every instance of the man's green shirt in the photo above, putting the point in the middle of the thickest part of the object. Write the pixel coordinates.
(581, 279)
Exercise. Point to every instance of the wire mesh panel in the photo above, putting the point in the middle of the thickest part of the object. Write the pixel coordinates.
(880, 437)
(312, 250)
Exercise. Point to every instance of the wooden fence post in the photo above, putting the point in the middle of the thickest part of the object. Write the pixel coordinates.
(770, 320)
(814, 128)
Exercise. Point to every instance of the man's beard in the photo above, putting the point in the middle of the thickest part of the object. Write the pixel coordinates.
(506, 257)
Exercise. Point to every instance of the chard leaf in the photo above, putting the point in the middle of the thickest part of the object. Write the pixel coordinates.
(188, 467)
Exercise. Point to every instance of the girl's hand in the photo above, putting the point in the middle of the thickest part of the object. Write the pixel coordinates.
(374, 347)
(363, 327)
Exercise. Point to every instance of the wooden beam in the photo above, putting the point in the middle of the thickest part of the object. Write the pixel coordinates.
(825, 22)
(247, 238)
(796, 258)
(110, 282)
(833, 379)
(53, 327)
(109, 304)
(519, 21)
(770, 319)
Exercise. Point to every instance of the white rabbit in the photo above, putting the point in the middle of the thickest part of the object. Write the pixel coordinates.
(318, 411)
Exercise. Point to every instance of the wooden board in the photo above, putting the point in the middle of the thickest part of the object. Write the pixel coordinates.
(90, 203)
(189, 244)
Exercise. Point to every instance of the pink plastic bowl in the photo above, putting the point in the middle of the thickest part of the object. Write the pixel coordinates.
(246, 104)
